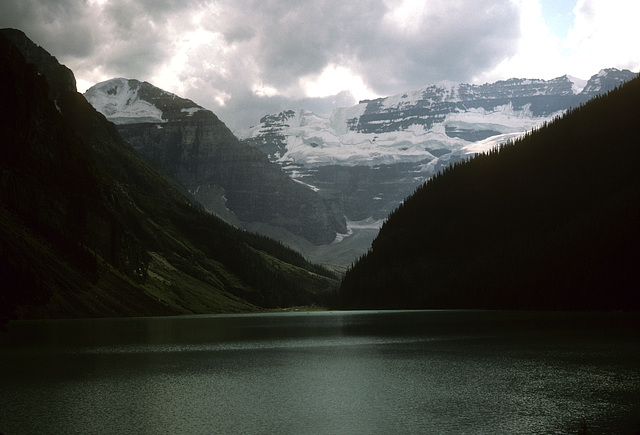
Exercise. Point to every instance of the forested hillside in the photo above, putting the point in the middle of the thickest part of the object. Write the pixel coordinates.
(551, 221)
(89, 229)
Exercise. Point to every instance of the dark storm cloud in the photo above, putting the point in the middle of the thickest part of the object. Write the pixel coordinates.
(298, 38)
(63, 27)
(451, 42)
(274, 43)
(123, 35)
(125, 13)
(292, 39)
(135, 43)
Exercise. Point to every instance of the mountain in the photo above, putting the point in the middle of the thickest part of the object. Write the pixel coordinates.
(60, 78)
(90, 229)
(228, 177)
(549, 221)
(374, 154)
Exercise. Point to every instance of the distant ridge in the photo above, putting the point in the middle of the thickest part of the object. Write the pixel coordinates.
(374, 154)
(551, 221)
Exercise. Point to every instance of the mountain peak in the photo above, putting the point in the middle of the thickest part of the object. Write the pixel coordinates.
(127, 101)
(606, 80)
(577, 84)
(117, 99)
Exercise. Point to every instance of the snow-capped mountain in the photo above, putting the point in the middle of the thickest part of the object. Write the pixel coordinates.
(124, 101)
(228, 177)
(422, 125)
(372, 155)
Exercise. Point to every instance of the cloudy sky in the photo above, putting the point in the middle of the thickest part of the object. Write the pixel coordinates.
(247, 58)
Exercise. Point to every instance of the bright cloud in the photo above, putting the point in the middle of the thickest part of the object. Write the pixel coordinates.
(334, 79)
(604, 31)
(602, 35)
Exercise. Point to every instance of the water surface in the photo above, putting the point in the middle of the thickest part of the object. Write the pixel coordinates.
(324, 372)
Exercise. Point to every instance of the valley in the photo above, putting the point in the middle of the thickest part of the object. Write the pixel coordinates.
(132, 200)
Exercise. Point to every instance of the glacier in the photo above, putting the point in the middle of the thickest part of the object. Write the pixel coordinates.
(118, 100)
(370, 156)
(444, 118)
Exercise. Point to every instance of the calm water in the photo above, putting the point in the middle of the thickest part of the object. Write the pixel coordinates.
(324, 372)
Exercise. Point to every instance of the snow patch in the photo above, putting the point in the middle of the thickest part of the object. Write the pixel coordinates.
(191, 110)
(577, 84)
(314, 188)
(118, 101)
(366, 224)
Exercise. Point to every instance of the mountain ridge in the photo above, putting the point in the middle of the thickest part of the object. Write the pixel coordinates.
(548, 221)
(415, 113)
(374, 154)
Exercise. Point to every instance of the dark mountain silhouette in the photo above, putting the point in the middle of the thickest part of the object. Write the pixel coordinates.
(89, 229)
(551, 221)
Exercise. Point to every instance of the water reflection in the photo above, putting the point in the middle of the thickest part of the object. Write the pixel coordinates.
(353, 372)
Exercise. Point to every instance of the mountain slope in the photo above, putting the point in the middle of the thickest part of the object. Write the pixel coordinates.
(550, 222)
(376, 153)
(89, 229)
(228, 177)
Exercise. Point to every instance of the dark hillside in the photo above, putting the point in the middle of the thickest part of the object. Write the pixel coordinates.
(89, 229)
(551, 221)
(52, 194)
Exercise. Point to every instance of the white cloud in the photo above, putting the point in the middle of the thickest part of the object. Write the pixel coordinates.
(603, 35)
(406, 15)
(334, 79)
(538, 53)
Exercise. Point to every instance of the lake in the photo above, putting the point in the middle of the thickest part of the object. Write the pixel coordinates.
(360, 372)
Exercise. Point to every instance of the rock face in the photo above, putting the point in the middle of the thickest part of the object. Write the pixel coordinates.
(230, 178)
(374, 154)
